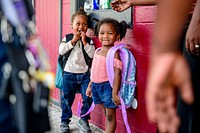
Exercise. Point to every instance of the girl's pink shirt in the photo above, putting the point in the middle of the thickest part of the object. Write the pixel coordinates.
(98, 70)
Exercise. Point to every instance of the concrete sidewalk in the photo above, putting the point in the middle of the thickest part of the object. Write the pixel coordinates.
(55, 113)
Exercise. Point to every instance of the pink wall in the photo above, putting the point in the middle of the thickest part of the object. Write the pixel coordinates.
(47, 21)
(66, 22)
(138, 41)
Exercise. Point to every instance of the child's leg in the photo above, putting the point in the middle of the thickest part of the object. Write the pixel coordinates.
(87, 101)
(110, 120)
(68, 95)
(103, 108)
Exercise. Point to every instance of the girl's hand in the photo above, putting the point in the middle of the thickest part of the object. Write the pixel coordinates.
(89, 90)
(116, 99)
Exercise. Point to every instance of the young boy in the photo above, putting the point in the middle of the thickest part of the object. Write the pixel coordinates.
(76, 74)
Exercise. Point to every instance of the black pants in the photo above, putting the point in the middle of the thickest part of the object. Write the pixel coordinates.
(189, 114)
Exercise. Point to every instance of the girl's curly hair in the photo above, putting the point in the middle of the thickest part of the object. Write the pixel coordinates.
(120, 28)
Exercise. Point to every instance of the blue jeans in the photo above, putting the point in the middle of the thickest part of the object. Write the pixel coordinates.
(72, 83)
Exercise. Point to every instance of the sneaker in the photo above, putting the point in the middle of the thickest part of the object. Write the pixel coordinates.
(84, 125)
(64, 128)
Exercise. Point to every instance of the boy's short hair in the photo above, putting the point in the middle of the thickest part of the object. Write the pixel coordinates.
(79, 12)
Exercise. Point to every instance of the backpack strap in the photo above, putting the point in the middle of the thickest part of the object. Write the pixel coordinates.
(124, 114)
(87, 58)
(110, 73)
(110, 60)
(89, 110)
(80, 103)
(62, 59)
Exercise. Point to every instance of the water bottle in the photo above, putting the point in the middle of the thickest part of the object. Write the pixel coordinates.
(95, 4)
(87, 6)
(105, 4)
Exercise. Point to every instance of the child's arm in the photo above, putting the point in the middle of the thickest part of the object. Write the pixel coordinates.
(88, 47)
(89, 90)
(116, 83)
(64, 47)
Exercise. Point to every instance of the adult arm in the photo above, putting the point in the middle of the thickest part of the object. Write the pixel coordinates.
(168, 69)
(193, 32)
(121, 5)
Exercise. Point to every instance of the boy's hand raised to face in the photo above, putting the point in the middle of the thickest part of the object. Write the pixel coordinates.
(76, 37)
(79, 35)
(83, 37)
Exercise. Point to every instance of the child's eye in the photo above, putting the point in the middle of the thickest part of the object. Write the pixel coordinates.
(77, 24)
(101, 33)
(84, 25)
(110, 33)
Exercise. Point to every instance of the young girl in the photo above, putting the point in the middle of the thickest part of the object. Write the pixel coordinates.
(108, 31)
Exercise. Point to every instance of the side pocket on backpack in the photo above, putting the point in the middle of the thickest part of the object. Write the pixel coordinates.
(59, 77)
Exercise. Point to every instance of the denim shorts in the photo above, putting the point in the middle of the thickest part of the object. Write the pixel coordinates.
(102, 93)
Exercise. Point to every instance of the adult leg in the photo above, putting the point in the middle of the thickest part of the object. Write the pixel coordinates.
(184, 110)
(194, 63)
(189, 113)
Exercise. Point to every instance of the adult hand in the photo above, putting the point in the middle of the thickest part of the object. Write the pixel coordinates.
(168, 72)
(192, 44)
(120, 5)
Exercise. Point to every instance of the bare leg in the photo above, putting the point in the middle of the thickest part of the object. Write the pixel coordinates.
(103, 108)
(110, 120)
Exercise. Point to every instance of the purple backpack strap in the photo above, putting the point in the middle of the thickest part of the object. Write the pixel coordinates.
(124, 114)
(110, 73)
(80, 103)
(110, 62)
(88, 112)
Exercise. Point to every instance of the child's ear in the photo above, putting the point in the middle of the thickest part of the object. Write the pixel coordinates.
(118, 37)
(71, 26)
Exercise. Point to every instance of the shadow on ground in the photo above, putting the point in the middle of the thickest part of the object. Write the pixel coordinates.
(55, 113)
